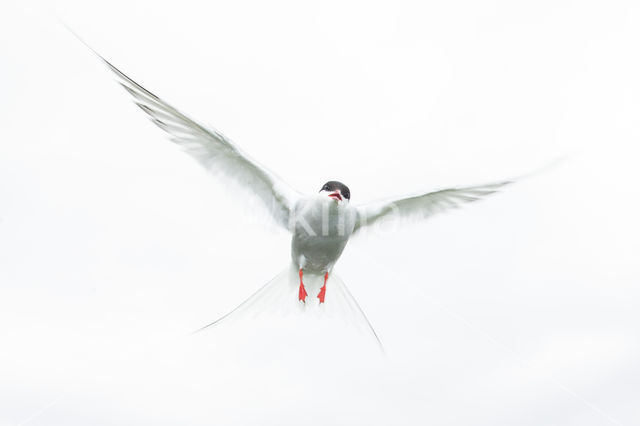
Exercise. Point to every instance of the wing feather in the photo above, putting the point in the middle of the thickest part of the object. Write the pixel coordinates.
(423, 205)
(213, 150)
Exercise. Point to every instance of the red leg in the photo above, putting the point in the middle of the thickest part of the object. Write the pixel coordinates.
(323, 289)
(302, 293)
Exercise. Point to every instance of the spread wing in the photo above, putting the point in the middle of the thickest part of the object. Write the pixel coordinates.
(423, 205)
(213, 150)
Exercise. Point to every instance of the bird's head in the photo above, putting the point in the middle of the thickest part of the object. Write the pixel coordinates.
(338, 191)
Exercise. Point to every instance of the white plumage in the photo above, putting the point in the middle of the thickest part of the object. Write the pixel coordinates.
(320, 224)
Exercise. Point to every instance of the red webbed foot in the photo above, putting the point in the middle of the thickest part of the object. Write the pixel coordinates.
(323, 289)
(302, 292)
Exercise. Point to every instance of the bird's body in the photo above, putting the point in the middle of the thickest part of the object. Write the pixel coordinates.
(321, 224)
(321, 229)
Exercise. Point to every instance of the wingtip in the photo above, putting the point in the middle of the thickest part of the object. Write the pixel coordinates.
(76, 35)
(87, 45)
(204, 328)
(547, 167)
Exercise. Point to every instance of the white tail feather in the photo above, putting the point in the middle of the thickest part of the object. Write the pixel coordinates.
(281, 295)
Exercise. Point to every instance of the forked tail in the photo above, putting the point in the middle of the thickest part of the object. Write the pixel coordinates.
(281, 295)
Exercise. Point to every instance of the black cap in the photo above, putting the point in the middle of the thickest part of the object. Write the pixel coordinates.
(334, 185)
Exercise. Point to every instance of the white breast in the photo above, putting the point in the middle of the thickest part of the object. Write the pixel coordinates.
(321, 228)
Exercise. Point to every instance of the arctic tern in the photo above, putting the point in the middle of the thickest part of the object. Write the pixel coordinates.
(320, 224)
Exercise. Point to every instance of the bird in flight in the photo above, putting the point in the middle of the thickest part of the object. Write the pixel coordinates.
(320, 224)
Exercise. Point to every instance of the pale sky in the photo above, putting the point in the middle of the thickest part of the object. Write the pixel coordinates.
(518, 310)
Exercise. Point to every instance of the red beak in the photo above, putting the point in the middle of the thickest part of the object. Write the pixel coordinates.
(336, 195)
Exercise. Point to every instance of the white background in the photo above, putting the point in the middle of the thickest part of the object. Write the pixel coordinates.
(520, 310)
